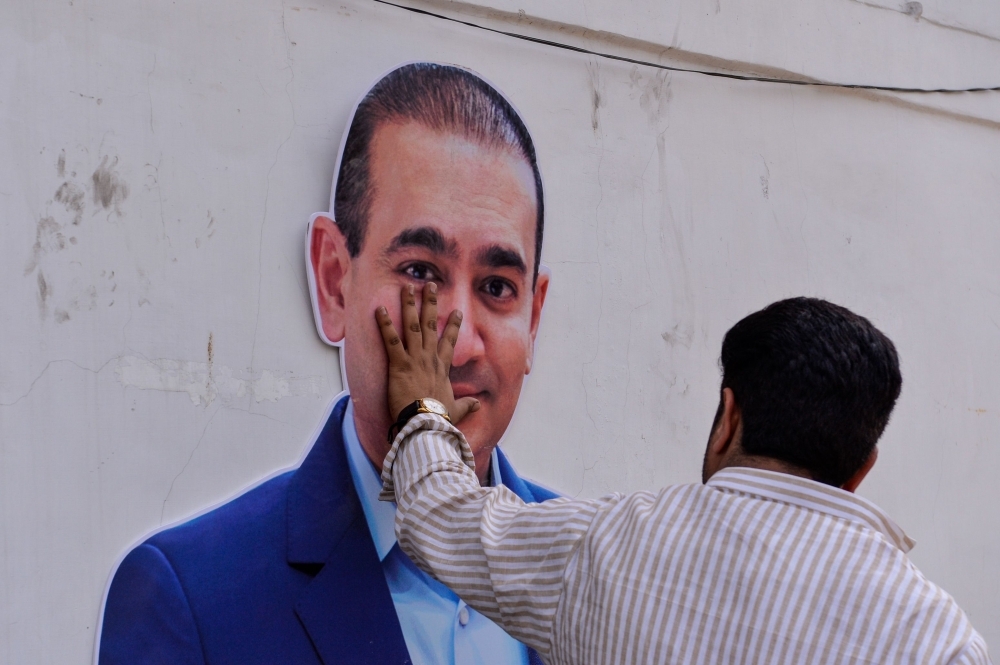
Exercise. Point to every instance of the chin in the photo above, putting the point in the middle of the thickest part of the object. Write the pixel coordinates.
(480, 433)
(472, 426)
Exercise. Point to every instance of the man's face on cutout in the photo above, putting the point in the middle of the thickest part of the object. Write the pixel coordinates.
(451, 211)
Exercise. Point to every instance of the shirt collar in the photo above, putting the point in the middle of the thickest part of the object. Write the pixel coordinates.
(813, 495)
(380, 515)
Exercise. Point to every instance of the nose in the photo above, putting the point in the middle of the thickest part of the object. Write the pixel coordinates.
(470, 345)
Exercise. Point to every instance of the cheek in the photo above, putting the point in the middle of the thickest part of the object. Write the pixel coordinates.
(387, 296)
(363, 340)
(508, 345)
(364, 359)
(370, 289)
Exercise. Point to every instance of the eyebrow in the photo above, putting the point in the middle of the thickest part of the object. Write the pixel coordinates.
(497, 256)
(426, 237)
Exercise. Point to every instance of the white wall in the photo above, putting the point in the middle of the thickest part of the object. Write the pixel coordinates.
(158, 353)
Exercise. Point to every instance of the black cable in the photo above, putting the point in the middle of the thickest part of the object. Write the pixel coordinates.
(738, 77)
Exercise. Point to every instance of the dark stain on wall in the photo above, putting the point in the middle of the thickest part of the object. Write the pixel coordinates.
(109, 188)
(72, 197)
(44, 291)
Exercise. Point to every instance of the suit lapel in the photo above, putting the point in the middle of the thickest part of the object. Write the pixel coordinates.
(347, 609)
(512, 481)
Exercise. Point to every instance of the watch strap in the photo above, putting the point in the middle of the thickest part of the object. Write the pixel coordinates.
(409, 411)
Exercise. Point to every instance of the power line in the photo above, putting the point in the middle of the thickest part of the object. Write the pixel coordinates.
(737, 77)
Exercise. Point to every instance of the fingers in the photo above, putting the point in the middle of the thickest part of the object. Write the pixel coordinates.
(462, 408)
(429, 316)
(393, 345)
(449, 338)
(411, 323)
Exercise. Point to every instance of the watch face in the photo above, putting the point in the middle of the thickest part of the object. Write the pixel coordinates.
(434, 406)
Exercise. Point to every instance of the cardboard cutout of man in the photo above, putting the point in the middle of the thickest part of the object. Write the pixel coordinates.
(437, 181)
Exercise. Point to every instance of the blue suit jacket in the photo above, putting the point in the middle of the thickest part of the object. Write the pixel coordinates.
(285, 573)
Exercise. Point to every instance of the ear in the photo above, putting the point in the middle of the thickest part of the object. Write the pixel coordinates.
(329, 265)
(537, 302)
(723, 441)
(859, 475)
(724, 435)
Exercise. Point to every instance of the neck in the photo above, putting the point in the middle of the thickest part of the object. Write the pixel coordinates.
(766, 464)
(373, 437)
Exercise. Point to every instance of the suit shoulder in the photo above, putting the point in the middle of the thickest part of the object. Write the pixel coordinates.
(146, 615)
(524, 488)
(540, 493)
(251, 517)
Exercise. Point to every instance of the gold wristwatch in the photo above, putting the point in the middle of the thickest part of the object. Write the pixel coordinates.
(424, 405)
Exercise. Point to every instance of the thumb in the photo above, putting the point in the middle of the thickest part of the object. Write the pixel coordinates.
(462, 408)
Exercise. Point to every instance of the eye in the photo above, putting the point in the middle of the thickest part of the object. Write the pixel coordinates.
(499, 288)
(420, 272)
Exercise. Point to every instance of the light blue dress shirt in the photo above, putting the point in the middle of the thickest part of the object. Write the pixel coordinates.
(438, 627)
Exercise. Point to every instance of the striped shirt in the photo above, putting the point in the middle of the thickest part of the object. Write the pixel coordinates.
(752, 567)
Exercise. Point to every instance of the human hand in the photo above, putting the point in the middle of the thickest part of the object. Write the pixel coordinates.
(420, 362)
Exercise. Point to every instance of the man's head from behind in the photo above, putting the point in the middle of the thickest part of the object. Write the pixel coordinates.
(438, 181)
(807, 386)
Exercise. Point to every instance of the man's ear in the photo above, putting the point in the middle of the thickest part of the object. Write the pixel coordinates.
(330, 266)
(724, 435)
(537, 302)
(724, 439)
(859, 475)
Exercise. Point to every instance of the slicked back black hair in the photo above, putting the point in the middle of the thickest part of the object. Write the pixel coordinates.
(815, 384)
(440, 97)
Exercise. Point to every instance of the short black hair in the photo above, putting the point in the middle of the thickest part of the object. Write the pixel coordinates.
(441, 97)
(815, 384)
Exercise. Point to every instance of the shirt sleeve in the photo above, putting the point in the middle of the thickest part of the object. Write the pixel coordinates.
(974, 653)
(506, 558)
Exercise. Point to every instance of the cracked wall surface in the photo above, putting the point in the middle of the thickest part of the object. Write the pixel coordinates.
(161, 162)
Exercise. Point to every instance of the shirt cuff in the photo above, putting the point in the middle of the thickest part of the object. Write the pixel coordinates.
(420, 422)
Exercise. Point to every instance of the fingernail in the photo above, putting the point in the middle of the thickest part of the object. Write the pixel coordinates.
(433, 287)
(458, 315)
(381, 310)
(409, 289)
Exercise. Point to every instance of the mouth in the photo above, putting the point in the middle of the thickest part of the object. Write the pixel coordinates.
(464, 390)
